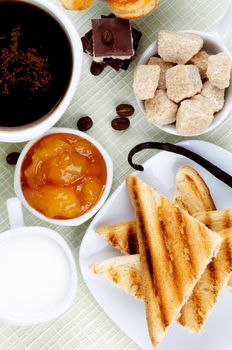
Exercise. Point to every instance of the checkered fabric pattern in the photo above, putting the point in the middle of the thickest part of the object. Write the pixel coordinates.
(85, 326)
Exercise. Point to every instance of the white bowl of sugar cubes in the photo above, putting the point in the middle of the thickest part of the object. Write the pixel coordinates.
(183, 81)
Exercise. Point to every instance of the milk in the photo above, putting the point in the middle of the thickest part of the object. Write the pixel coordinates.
(34, 275)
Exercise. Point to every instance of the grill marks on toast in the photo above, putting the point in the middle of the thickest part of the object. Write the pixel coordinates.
(186, 246)
(169, 260)
(227, 221)
(173, 243)
(169, 274)
(193, 315)
(148, 262)
(212, 276)
(169, 256)
(121, 236)
(114, 275)
(198, 193)
(216, 220)
(154, 299)
(132, 245)
(205, 245)
(228, 250)
(123, 271)
(205, 294)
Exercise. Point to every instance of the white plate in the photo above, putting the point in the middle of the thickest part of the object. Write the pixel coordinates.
(129, 314)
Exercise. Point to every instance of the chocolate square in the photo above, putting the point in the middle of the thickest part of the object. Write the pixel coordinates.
(112, 37)
(87, 42)
(111, 15)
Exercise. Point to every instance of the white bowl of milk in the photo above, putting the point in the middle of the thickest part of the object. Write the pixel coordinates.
(38, 276)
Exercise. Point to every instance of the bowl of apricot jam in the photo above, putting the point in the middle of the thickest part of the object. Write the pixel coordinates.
(63, 177)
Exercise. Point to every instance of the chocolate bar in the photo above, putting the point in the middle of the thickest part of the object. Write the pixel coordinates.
(87, 42)
(112, 38)
(117, 64)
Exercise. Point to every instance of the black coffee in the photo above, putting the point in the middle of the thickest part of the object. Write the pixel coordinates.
(35, 63)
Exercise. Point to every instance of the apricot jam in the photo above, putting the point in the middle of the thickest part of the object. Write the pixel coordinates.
(63, 176)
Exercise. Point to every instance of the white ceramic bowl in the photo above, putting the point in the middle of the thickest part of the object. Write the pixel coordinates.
(30, 131)
(213, 44)
(65, 222)
(18, 231)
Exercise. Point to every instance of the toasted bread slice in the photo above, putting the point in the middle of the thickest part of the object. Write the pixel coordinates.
(206, 292)
(204, 295)
(216, 220)
(192, 193)
(174, 250)
(121, 236)
(123, 272)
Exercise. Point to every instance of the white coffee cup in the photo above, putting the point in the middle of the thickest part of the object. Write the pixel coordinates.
(38, 284)
(30, 131)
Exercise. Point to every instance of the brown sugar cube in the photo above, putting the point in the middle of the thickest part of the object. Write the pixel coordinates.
(178, 47)
(194, 116)
(183, 82)
(163, 68)
(218, 71)
(201, 61)
(146, 78)
(160, 109)
(215, 95)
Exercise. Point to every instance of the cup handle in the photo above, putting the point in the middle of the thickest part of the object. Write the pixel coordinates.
(15, 212)
(224, 28)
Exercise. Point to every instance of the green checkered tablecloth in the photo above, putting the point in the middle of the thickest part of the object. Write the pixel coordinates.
(85, 326)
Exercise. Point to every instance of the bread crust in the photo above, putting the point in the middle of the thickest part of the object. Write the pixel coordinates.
(192, 193)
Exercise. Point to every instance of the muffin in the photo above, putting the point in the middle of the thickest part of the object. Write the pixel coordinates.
(131, 9)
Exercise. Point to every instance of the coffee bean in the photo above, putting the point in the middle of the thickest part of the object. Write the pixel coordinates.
(96, 68)
(12, 158)
(84, 123)
(125, 110)
(120, 123)
(107, 37)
